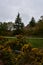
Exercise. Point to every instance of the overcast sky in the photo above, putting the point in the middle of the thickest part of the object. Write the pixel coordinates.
(27, 8)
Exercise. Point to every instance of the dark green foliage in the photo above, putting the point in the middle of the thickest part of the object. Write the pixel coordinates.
(32, 22)
(39, 29)
(3, 28)
(18, 25)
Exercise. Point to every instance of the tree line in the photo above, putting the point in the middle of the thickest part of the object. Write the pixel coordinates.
(32, 29)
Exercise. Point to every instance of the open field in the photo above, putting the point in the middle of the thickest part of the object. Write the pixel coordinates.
(36, 42)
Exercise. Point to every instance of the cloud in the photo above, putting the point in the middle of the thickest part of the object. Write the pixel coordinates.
(27, 9)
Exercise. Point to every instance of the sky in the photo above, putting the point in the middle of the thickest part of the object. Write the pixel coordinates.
(27, 8)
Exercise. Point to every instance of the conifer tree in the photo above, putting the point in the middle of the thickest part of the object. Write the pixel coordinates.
(32, 22)
(18, 24)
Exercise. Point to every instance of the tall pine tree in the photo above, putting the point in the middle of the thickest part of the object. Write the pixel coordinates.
(18, 25)
(32, 22)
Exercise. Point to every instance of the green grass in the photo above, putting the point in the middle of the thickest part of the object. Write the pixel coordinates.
(36, 42)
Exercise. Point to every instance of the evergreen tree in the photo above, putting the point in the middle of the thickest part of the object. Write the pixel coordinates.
(18, 26)
(32, 22)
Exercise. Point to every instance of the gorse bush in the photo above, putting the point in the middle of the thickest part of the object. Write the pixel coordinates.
(20, 52)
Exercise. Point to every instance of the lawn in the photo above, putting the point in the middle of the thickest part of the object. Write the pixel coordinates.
(36, 42)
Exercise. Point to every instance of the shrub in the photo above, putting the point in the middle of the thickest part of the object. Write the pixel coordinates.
(27, 47)
(1, 38)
